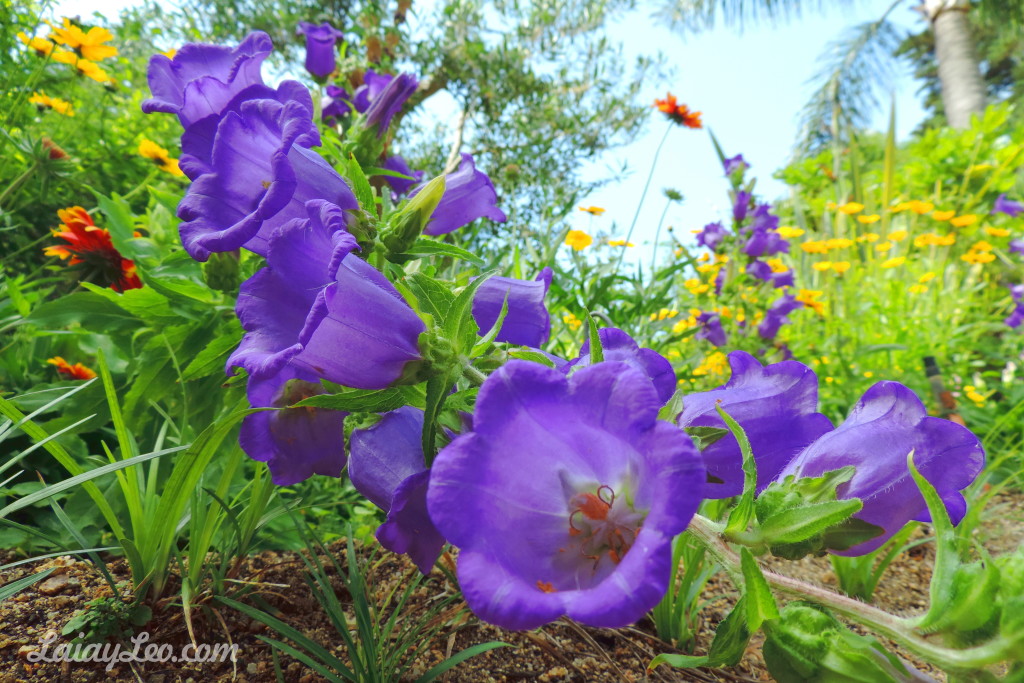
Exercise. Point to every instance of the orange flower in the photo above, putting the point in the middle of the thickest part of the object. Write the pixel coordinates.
(678, 113)
(943, 215)
(92, 251)
(76, 371)
(592, 210)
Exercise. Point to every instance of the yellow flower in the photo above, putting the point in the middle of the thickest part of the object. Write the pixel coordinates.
(829, 380)
(850, 208)
(927, 277)
(714, 364)
(900, 207)
(704, 258)
(788, 231)
(578, 240)
(981, 245)
(572, 322)
(963, 221)
(170, 53)
(975, 257)
(868, 237)
(777, 265)
(88, 45)
(708, 268)
(84, 66)
(620, 243)
(894, 262)
(55, 103)
(841, 266)
(150, 150)
(883, 247)
(809, 298)
(683, 324)
(946, 241)
(943, 215)
(919, 207)
(42, 46)
(897, 235)
(869, 374)
(664, 314)
(695, 286)
(917, 289)
(996, 232)
(979, 168)
(838, 243)
(815, 247)
(822, 266)
(592, 210)
(867, 220)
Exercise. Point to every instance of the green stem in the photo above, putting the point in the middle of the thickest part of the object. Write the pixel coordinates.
(473, 375)
(16, 183)
(640, 204)
(657, 236)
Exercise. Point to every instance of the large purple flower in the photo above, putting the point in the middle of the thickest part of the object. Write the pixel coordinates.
(468, 194)
(887, 424)
(711, 328)
(263, 175)
(296, 443)
(777, 407)
(565, 497)
(320, 41)
(321, 309)
(776, 316)
(389, 101)
(712, 235)
(202, 79)
(620, 347)
(527, 322)
(398, 165)
(386, 465)
(1007, 206)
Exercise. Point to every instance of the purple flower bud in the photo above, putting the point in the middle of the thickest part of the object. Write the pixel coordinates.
(320, 41)
(468, 195)
(390, 101)
(776, 316)
(619, 347)
(527, 322)
(202, 79)
(373, 85)
(733, 164)
(386, 465)
(296, 443)
(1007, 206)
(398, 165)
(741, 206)
(711, 328)
(712, 235)
(887, 424)
(777, 407)
(565, 497)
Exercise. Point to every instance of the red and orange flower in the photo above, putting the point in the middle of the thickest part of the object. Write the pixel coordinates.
(91, 250)
(678, 113)
(76, 371)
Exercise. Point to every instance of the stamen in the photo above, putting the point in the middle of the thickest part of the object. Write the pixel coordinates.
(545, 586)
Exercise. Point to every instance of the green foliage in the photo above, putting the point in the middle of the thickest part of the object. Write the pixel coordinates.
(105, 619)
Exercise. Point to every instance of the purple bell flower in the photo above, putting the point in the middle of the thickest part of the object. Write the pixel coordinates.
(764, 239)
(336, 104)
(398, 165)
(1017, 316)
(712, 235)
(468, 195)
(711, 328)
(565, 497)
(202, 79)
(389, 101)
(386, 465)
(263, 175)
(777, 407)
(762, 271)
(320, 42)
(885, 425)
(1007, 206)
(776, 316)
(733, 164)
(296, 443)
(741, 206)
(321, 309)
(373, 85)
(619, 347)
(527, 322)
(1017, 246)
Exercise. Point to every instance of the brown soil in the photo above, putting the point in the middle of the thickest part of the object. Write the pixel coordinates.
(559, 652)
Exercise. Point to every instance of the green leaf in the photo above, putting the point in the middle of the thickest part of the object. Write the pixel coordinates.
(705, 436)
(743, 513)
(438, 387)
(671, 410)
(431, 247)
(434, 297)
(801, 523)
(457, 659)
(596, 348)
(210, 360)
(120, 222)
(459, 326)
(93, 311)
(731, 637)
(15, 587)
(363, 401)
(482, 345)
(761, 605)
(532, 356)
(360, 185)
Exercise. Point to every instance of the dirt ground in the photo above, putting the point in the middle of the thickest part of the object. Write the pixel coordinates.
(562, 651)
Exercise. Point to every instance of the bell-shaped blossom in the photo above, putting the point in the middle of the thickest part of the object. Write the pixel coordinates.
(1007, 206)
(373, 85)
(762, 271)
(263, 175)
(733, 164)
(527, 322)
(883, 428)
(398, 165)
(320, 50)
(320, 308)
(1017, 316)
(389, 101)
(565, 496)
(1017, 246)
(777, 407)
(711, 328)
(201, 79)
(468, 194)
(296, 443)
(763, 237)
(712, 235)
(776, 316)
(335, 104)
(741, 206)
(386, 465)
(619, 347)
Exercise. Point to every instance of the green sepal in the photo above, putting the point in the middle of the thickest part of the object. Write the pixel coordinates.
(705, 436)
(407, 224)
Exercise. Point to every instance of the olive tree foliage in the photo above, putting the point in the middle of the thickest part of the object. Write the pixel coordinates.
(533, 89)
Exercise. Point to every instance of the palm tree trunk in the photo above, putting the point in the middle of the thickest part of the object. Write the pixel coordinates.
(963, 90)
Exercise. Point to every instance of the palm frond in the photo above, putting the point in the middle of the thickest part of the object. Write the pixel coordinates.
(693, 16)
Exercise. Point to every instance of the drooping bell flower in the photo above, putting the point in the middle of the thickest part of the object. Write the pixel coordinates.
(565, 496)
(776, 316)
(386, 465)
(468, 194)
(619, 347)
(201, 79)
(777, 407)
(1007, 206)
(764, 272)
(389, 101)
(764, 239)
(712, 235)
(90, 251)
(741, 206)
(527, 322)
(711, 328)
(373, 85)
(398, 165)
(1017, 316)
(336, 104)
(886, 424)
(321, 309)
(263, 175)
(296, 443)
(320, 51)
(733, 164)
